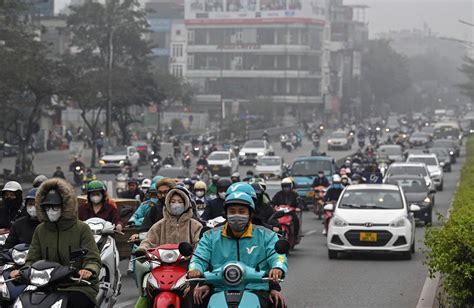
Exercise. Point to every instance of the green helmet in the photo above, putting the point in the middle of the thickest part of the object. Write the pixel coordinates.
(96, 186)
(152, 188)
(156, 179)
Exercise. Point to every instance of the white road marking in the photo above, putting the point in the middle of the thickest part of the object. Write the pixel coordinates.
(310, 232)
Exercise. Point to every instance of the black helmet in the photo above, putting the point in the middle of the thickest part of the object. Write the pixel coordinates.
(52, 198)
(223, 184)
(132, 180)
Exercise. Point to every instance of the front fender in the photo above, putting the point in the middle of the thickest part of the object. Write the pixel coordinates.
(167, 299)
(247, 299)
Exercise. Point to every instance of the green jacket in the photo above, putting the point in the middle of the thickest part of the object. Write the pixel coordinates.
(54, 241)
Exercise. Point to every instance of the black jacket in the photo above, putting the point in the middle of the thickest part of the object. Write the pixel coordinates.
(262, 215)
(21, 231)
(154, 215)
(288, 198)
(320, 182)
(132, 194)
(8, 214)
(214, 208)
(59, 174)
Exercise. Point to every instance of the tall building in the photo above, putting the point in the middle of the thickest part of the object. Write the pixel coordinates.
(241, 52)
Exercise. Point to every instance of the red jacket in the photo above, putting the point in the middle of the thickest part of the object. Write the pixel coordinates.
(108, 212)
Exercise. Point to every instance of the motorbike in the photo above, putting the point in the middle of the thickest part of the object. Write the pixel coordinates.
(373, 139)
(315, 139)
(234, 276)
(289, 146)
(196, 150)
(206, 149)
(186, 161)
(318, 201)
(12, 259)
(283, 140)
(121, 183)
(109, 277)
(78, 175)
(45, 279)
(283, 213)
(3, 236)
(165, 282)
(155, 165)
(361, 143)
(321, 129)
(176, 151)
(328, 215)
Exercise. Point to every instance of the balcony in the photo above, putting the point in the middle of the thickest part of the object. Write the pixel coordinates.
(252, 74)
(277, 99)
(254, 48)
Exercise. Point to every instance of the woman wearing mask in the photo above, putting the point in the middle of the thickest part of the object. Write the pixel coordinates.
(12, 202)
(200, 197)
(98, 205)
(21, 231)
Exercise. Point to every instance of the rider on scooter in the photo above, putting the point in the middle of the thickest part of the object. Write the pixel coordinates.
(133, 191)
(334, 190)
(289, 197)
(215, 208)
(218, 246)
(320, 180)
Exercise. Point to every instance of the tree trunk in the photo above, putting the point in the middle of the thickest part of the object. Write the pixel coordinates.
(93, 156)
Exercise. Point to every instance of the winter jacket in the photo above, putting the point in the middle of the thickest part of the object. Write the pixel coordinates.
(321, 182)
(54, 241)
(107, 212)
(262, 214)
(218, 247)
(172, 229)
(21, 231)
(137, 194)
(11, 211)
(141, 211)
(288, 198)
(215, 208)
(154, 215)
(333, 192)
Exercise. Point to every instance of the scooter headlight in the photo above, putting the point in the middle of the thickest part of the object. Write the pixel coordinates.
(40, 277)
(4, 288)
(19, 257)
(168, 255)
(96, 228)
(233, 274)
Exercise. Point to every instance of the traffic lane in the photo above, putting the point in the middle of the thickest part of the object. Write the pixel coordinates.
(359, 279)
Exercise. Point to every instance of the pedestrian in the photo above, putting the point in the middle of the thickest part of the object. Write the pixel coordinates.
(99, 144)
(59, 173)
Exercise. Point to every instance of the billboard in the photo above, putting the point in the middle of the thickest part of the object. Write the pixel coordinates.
(253, 11)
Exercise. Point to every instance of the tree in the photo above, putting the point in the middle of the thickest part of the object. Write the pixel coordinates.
(467, 88)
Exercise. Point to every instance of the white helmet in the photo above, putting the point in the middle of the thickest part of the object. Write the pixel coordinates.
(287, 182)
(336, 178)
(146, 183)
(39, 180)
(12, 186)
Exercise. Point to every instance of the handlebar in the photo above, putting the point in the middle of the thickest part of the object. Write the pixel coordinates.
(79, 280)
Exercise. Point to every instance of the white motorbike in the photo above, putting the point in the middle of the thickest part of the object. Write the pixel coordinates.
(109, 277)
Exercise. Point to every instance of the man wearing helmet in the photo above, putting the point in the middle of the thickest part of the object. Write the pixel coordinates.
(144, 207)
(235, 177)
(334, 190)
(98, 205)
(12, 201)
(215, 208)
(146, 183)
(289, 197)
(200, 197)
(212, 188)
(133, 191)
(252, 243)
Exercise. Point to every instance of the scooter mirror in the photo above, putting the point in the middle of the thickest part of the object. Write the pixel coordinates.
(185, 249)
(79, 253)
(282, 247)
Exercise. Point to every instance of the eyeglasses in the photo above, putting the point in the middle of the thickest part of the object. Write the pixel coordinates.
(54, 207)
(163, 192)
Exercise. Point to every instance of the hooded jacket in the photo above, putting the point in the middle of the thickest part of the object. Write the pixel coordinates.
(21, 231)
(172, 229)
(10, 211)
(54, 241)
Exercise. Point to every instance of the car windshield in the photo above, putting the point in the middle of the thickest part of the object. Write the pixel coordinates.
(311, 167)
(407, 170)
(441, 153)
(429, 161)
(371, 199)
(172, 173)
(271, 161)
(443, 143)
(390, 150)
(254, 144)
(116, 151)
(218, 156)
(410, 185)
(338, 135)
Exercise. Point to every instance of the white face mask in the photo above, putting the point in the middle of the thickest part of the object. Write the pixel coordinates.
(53, 215)
(222, 195)
(31, 210)
(96, 199)
(176, 209)
(199, 193)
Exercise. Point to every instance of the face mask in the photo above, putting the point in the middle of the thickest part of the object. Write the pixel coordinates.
(238, 223)
(321, 175)
(199, 193)
(145, 190)
(286, 189)
(31, 210)
(53, 215)
(96, 199)
(222, 195)
(155, 200)
(176, 209)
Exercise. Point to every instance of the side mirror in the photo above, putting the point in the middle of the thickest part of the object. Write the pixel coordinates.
(185, 249)
(414, 208)
(329, 207)
(77, 254)
(282, 247)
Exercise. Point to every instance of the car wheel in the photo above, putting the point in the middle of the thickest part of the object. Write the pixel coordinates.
(413, 247)
(406, 255)
(440, 187)
(429, 219)
(332, 254)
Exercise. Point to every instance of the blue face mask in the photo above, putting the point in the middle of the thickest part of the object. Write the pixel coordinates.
(154, 200)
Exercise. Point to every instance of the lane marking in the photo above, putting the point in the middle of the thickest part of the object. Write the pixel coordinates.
(310, 232)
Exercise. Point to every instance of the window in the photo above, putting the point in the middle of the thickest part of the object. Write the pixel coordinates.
(177, 50)
(191, 37)
(178, 32)
(191, 61)
(177, 70)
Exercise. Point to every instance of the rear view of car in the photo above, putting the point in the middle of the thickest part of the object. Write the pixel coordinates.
(269, 166)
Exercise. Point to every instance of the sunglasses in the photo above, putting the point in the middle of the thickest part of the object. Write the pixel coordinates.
(162, 192)
(54, 207)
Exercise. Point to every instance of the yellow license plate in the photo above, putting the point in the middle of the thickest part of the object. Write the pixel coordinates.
(310, 194)
(215, 168)
(368, 237)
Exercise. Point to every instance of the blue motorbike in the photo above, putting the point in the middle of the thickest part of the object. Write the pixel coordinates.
(234, 277)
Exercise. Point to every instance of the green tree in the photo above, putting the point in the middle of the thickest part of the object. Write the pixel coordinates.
(467, 88)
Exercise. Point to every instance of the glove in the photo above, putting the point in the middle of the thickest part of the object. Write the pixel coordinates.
(130, 223)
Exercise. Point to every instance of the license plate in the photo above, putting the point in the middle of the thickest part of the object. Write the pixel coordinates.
(368, 237)
(215, 168)
(310, 194)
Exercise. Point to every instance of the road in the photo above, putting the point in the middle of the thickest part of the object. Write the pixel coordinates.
(355, 280)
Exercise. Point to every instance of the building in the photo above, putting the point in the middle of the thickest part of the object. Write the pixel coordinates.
(244, 52)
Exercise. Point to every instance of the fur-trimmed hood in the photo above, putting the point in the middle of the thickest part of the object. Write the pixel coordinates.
(67, 193)
(187, 214)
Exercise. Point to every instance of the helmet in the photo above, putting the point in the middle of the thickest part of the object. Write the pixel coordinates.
(287, 182)
(156, 179)
(235, 175)
(31, 194)
(356, 177)
(146, 183)
(188, 181)
(345, 177)
(132, 180)
(152, 188)
(52, 198)
(96, 186)
(38, 180)
(216, 177)
(336, 178)
(12, 186)
(257, 188)
(239, 198)
(242, 187)
(194, 179)
(200, 185)
(261, 181)
(223, 184)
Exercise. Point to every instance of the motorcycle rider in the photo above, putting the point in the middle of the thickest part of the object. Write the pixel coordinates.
(12, 203)
(39, 180)
(169, 160)
(235, 177)
(202, 161)
(133, 191)
(357, 179)
(59, 173)
(144, 207)
(89, 176)
(320, 180)
(146, 183)
(212, 188)
(60, 233)
(215, 208)
(98, 205)
(345, 180)
(265, 136)
(76, 163)
(200, 197)
(23, 228)
(289, 197)
(335, 189)
(217, 247)
(263, 210)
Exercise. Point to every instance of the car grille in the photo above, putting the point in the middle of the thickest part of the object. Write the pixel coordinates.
(250, 155)
(383, 237)
(112, 161)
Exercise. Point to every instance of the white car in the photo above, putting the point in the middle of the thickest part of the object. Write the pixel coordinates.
(270, 166)
(412, 168)
(253, 150)
(223, 163)
(114, 159)
(339, 140)
(433, 165)
(372, 217)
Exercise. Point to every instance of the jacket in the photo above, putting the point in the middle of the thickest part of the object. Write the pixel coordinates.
(218, 247)
(108, 212)
(21, 231)
(262, 214)
(320, 182)
(172, 229)
(215, 208)
(333, 192)
(154, 215)
(288, 198)
(141, 211)
(10, 212)
(54, 240)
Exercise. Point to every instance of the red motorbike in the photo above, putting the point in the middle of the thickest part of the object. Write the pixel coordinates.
(284, 214)
(166, 283)
(327, 216)
(318, 201)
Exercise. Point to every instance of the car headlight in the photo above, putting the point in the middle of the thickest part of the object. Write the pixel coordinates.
(242, 153)
(427, 200)
(19, 257)
(40, 278)
(121, 162)
(329, 141)
(101, 162)
(180, 283)
(260, 154)
(451, 152)
(152, 281)
(436, 173)
(398, 223)
(442, 164)
(168, 255)
(339, 222)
